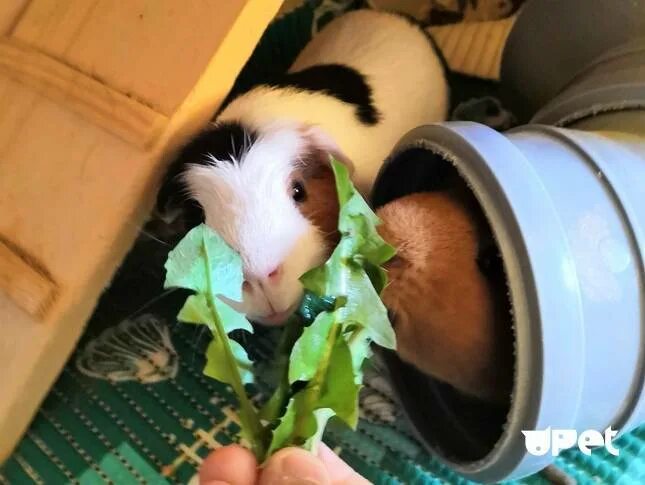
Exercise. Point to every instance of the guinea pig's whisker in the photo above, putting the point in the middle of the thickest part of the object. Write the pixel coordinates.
(154, 238)
(247, 141)
(146, 233)
(195, 344)
(150, 302)
(233, 145)
(329, 234)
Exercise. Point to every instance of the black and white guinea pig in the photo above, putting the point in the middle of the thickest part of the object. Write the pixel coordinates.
(260, 174)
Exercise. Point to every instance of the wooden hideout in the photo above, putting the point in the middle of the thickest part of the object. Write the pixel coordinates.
(94, 96)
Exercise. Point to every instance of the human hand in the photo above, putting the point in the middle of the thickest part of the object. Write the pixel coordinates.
(235, 465)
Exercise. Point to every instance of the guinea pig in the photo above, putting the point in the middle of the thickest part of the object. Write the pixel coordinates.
(451, 318)
(259, 174)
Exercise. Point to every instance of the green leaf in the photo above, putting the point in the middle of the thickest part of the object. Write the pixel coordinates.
(185, 266)
(360, 247)
(331, 278)
(366, 241)
(296, 426)
(310, 349)
(364, 307)
(320, 416)
(231, 319)
(358, 222)
(332, 391)
(217, 364)
(356, 207)
(301, 425)
(344, 187)
(273, 408)
(195, 310)
(315, 280)
(359, 346)
(339, 390)
(204, 263)
(284, 433)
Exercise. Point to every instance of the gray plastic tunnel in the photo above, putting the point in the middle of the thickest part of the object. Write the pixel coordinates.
(565, 199)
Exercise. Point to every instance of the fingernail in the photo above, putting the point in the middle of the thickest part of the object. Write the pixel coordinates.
(294, 468)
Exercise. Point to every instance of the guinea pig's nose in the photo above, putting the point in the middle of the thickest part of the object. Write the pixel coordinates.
(252, 283)
(247, 286)
(274, 275)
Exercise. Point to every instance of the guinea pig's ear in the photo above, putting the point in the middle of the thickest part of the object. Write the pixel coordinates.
(322, 141)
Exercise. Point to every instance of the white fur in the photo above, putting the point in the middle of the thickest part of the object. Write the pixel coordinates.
(406, 76)
(249, 204)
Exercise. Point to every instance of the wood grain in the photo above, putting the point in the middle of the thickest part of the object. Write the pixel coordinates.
(152, 50)
(25, 280)
(117, 113)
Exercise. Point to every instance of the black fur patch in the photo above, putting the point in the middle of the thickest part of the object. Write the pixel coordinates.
(336, 80)
(222, 141)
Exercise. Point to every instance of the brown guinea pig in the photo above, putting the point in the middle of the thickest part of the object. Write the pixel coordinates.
(448, 307)
(449, 320)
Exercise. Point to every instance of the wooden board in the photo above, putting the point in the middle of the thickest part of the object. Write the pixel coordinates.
(150, 50)
(94, 99)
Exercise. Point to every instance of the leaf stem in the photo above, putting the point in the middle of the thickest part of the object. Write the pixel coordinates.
(249, 419)
(278, 400)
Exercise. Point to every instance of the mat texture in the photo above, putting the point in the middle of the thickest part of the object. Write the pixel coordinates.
(156, 429)
(132, 405)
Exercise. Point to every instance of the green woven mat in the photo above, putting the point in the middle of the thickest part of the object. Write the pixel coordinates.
(154, 430)
(92, 431)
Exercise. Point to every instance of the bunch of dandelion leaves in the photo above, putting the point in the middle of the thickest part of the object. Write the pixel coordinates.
(321, 362)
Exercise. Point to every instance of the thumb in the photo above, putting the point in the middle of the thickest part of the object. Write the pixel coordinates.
(292, 466)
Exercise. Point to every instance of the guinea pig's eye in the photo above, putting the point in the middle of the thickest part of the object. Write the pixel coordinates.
(298, 193)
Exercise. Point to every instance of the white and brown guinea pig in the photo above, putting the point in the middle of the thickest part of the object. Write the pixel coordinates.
(260, 174)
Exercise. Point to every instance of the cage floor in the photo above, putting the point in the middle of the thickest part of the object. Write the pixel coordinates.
(156, 427)
(94, 431)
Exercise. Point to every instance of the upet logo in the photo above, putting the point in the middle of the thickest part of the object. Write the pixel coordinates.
(540, 442)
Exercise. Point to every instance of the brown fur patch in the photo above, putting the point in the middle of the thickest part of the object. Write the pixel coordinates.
(321, 203)
(447, 323)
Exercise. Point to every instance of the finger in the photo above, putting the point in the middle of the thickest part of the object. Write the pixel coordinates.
(292, 466)
(340, 472)
(230, 465)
